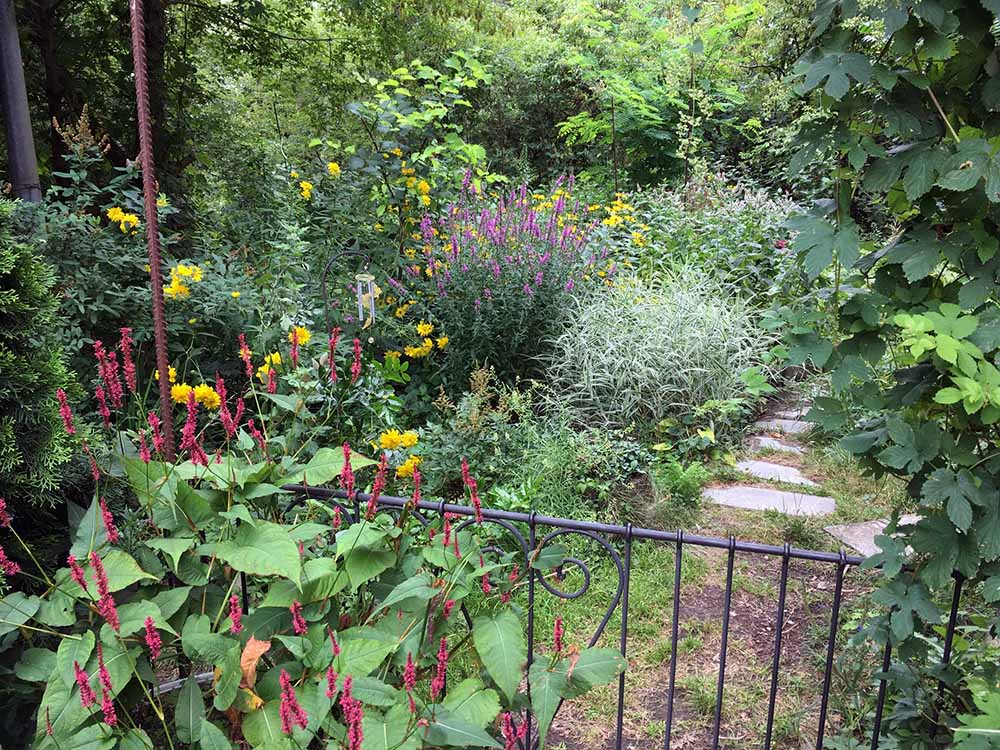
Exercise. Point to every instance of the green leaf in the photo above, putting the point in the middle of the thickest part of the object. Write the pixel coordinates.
(15, 610)
(212, 738)
(36, 665)
(500, 643)
(547, 690)
(420, 587)
(90, 534)
(172, 547)
(360, 657)
(595, 666)
(963, 169)
(452, 731)
(190, 711)
(122, 571)
(326, 465)
(389, 733)
(472, 702)
(74, 650)
(957, 491)
(229, 679)
(264, 549)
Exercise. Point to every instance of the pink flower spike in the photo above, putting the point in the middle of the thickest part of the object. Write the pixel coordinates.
(125, 347)
(95, 471)
(438, 683)
(295, 347)
(257, 435)
(448, 607)
(235, 615)
(144, 455)
(4, 515)
(65, 412)
(87, 697)
(377, 486)
(291, 712)
(106, 603)
(334, 646)
(332, 353)
(153, 639)
(331, 682)
(109, 522)
(8, 566)
(557, 635)
(154, 425)
(272, 380)
(76, 572)
(102, 406)
(356, 365)
(102, 669)
(108, 709)
(347, 474)
(298, 622)
(353, 715)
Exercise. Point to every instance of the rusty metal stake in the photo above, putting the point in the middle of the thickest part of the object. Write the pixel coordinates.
(152, 225)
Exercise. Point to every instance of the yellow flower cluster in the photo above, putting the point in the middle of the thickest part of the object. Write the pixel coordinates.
(306, 189)
(416, 352)
(333, 168)
(407, 467)
(204, 394)
(424, 328)
(270, 360)
(303, 336)
(171, 374)
(180, 276)
(391, 440)
(126, 222)
(402, 310)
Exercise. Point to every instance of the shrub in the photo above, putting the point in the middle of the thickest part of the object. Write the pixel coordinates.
(353, 607)
(643, 351)
(33, 446)
(496, 275)
(733, 232)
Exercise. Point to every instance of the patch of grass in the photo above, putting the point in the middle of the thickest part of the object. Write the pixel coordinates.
(699, 693)
(746, 579)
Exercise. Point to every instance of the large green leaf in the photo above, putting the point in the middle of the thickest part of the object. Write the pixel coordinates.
(190, 711)
(212, 738)
(473, 702)
(325, 466)
(15, 610)
(90, 534)
(359, 657)
(547, 690)
(36, 665)
(500, 643)
(73, 650)
(593, 667)
(420, 587)
(452, 731)
(264, 549)
(122, 571)
(229, 679)
(390, 733)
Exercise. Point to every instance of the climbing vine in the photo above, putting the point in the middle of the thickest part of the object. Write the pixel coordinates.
(907, 322)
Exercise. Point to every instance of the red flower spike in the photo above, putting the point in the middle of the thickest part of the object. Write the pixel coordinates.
(557, 635)
(109, 522)
(291, 712)
(448, 607)
(144, 455)
(331, 682)
(235, 615)
(347, 474)
(295, 347)
(125, 344)
(106, 603)
(257, 435)
(353, 715)
(108, 709)
(272, 380)
(87, 697)
(356, 365)
(189, 433)
(377, 486)
(153, 639)
(102, 406)
(65, 412)
(95, 471)
(437, 684)
(332, 353)
(157, 434)
(8, 566)
(298, 622)
(334, 646)
(76, 572)
(4, 515)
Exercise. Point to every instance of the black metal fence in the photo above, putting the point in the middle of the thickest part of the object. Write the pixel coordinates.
(541, 530)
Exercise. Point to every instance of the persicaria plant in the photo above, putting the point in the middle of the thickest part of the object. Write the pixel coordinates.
(243, 614)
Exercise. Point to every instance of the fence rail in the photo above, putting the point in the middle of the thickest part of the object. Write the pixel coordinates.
(602, 534)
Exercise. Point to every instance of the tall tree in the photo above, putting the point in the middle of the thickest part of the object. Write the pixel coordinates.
(23, 165)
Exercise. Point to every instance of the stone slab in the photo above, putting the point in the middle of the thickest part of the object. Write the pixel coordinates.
(763, 441)
(787, 426)
(790, 412)
(758, 498)
(861, 536)
(775, 472)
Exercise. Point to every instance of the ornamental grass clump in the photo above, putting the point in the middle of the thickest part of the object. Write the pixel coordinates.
(644, 351)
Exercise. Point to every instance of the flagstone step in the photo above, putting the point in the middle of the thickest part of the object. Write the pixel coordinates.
(758, 442)
(759, 498)
(775, 472)
(787, 426)
(861, 536)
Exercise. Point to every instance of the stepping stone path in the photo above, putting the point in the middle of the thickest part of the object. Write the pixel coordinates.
(775, 472)
(785, 419)
(761, 498)
(777, 431)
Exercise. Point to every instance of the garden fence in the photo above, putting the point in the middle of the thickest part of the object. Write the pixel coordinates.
(541, 530)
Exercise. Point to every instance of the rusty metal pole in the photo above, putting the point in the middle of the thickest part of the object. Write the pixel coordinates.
(152, 225)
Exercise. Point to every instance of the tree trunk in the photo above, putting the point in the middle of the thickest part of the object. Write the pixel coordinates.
(22, 162)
